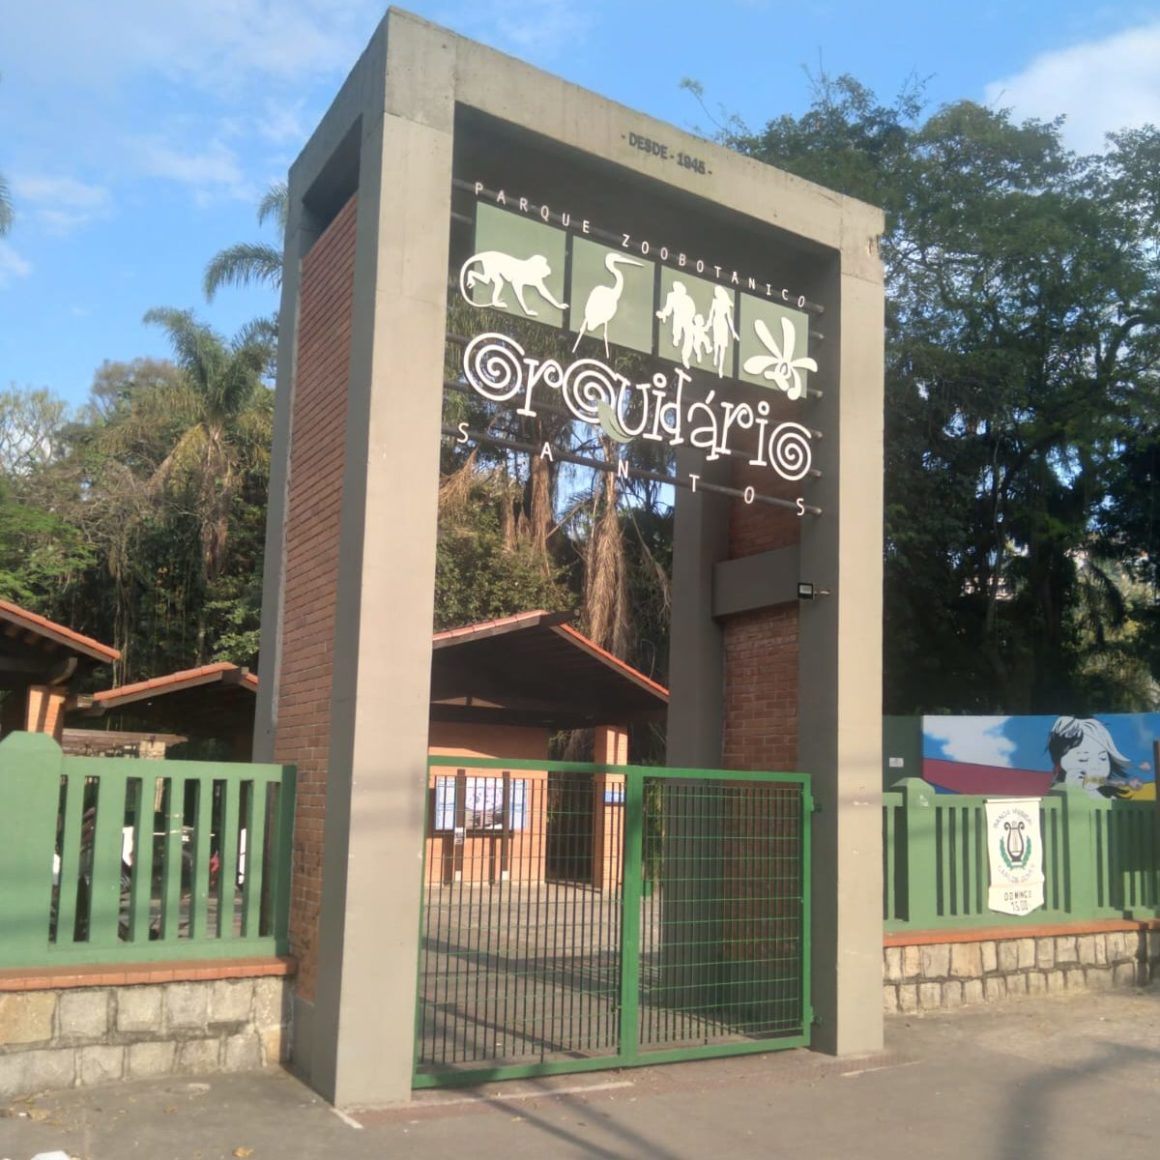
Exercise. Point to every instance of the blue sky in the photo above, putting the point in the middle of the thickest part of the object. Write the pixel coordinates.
(138, 136)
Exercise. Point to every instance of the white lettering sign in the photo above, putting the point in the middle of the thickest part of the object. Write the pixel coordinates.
(498, 369)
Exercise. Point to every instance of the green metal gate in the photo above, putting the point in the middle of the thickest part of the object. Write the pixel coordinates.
(578, 917)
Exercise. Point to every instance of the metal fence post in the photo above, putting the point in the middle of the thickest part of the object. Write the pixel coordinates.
(919, 871)
(30, 766)
(287, 797)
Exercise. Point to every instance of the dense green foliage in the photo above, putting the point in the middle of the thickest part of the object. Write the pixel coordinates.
(141, 521)
(1023, 342)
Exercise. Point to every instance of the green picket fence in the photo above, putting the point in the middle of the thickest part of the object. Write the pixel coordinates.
(116, 860)
(1101, 859)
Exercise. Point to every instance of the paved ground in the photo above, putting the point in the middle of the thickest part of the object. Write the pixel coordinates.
(1059, 1077)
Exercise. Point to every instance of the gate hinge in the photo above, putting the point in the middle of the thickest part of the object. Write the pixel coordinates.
(815, 806)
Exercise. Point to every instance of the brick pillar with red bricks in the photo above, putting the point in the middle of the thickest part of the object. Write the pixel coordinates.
(314, 503)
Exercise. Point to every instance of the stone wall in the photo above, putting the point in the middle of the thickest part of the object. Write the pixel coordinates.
(75, 1037)
(938, 975)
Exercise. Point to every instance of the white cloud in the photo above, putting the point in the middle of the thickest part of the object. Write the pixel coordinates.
(211, 93)
(212, 172)
(209, 43)
(284, 122)
(1100, 86)
(12, 265)
(978, 740)
(60, 203)
(533, 28)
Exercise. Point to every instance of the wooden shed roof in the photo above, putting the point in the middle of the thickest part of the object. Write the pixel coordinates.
(35, 650)
(531, 669)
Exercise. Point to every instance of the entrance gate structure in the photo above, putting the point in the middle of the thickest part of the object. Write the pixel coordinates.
(481, 255)
(608, 916)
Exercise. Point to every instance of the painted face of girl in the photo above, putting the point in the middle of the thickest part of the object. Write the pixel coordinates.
(1085, 765)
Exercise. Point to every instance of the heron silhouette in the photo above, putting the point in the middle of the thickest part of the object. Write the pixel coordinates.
(603, 301)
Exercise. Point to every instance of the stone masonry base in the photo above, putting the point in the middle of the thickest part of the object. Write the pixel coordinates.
(953, 970)
(75, 1036)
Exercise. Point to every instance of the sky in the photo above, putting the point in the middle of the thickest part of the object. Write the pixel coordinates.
(137, 137)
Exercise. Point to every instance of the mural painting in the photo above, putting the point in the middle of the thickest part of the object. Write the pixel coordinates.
(1109, 756)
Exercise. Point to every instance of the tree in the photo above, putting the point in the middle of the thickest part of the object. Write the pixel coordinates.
(5, 207)
(1023, 342)
(574, 523)
(225, 420)
(167, 477)
(31, 423)
(250, 263)
(40, 549)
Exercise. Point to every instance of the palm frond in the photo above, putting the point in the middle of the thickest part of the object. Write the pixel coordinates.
(275, 204)
(244, 264)
(184, 464)
(5, 208)
(200, 352)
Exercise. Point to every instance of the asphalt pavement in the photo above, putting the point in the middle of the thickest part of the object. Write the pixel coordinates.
(1073, 1075)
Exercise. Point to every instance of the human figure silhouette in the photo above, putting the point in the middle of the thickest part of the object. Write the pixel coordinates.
(690, 330)
(720, 324)
(679, 306)
(696, 340)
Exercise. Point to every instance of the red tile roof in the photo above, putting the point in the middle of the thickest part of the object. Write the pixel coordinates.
(224, 671)
(504, 624)
(556, 622)
(528, 636)
(614, 661)
(50, 630)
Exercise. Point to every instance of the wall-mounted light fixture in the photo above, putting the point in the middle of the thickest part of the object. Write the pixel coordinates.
(808, 591)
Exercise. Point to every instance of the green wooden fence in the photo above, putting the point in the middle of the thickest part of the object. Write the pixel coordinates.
(115, 860)
(1100, 859)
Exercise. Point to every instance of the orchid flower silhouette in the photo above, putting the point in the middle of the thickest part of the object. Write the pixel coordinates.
(779, 366)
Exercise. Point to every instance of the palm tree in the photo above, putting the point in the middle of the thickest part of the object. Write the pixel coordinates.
(5, 207)
(225, 425)
(248, 263)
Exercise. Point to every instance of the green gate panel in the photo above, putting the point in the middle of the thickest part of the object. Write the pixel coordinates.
(577, 917)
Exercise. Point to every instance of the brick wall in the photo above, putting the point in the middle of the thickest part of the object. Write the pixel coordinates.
(761, 689)
(760, 732)
(761, 647)
(311, 573)
(759, 527)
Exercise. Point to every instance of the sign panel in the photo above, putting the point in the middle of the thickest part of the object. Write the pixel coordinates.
(611, 296)
(697, 323)
(775, 346)
(518, 266)
(1015, 846)
(734, 327)
(713, 327)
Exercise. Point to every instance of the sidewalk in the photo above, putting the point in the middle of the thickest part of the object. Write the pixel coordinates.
(1058, 1077)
